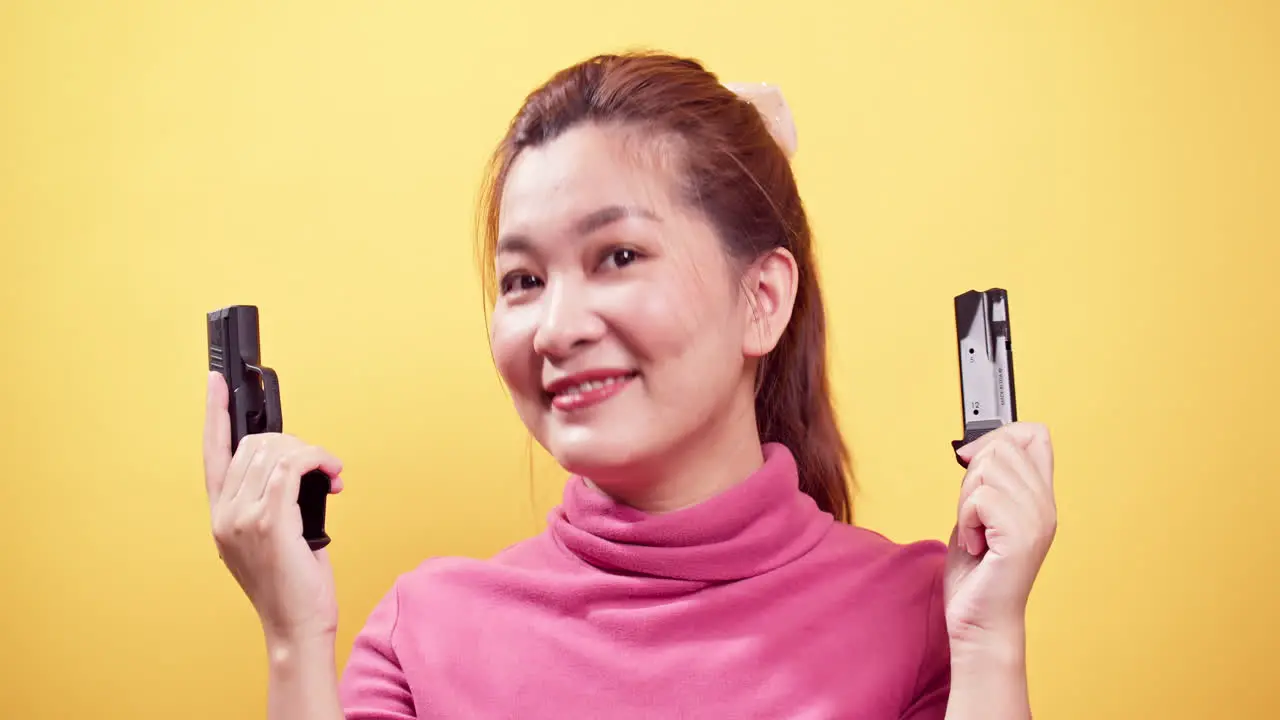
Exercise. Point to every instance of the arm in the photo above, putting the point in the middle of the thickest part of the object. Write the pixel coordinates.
(374, 685)
(1004, 528)
(933, 679)
(980, 676)
(302, 681)
(989, 681)
(971, 681)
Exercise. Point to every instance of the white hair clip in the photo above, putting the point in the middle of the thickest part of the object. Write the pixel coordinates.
(774, 109)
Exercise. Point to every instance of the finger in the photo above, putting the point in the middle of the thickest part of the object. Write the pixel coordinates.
(970, 451)
(217, 435)
(324, 461)
(971, 532)
(1041, 451)
(987, 517)
(272, 447)
(1021, 432)
(972, 480)
(1033, 437)
(286, 477)
(982, 470)
(248, 451)
(1011, 469)
(998, 468)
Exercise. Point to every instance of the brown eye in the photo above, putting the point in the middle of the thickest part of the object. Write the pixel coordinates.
(622, 257)
(519, 281)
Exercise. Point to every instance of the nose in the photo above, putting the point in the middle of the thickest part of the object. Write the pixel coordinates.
(568, 320)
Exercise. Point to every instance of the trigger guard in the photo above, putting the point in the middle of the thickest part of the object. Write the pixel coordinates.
(271, 398)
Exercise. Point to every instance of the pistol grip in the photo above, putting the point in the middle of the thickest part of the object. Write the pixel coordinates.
(313, 491)
(312, 496)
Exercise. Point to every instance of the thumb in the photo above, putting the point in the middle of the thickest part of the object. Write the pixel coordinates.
(217, 434)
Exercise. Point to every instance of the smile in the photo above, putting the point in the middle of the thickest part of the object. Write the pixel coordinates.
(582, 391)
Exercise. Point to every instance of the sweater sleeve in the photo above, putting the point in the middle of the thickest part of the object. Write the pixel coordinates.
(933, 682)
(373, 685)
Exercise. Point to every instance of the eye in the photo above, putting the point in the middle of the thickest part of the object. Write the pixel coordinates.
(518, 281)
(622, 257)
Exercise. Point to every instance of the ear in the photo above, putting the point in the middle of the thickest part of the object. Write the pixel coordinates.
(770, 285)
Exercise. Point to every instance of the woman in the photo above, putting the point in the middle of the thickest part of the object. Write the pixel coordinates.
(657, 318)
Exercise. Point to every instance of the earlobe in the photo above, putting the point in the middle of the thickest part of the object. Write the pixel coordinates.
(770, 285)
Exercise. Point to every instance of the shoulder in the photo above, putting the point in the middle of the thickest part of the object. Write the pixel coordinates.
(893, 592)
(861, 550)
(897, 585)
(444, 577)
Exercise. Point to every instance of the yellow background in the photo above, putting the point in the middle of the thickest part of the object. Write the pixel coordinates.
(1113, 164)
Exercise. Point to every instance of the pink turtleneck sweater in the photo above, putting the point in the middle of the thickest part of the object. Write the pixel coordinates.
(753, 604)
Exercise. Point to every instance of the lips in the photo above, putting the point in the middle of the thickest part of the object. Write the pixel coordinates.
(581, 390)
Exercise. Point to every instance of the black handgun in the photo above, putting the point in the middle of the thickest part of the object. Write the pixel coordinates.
(986, 364)
(253, 399)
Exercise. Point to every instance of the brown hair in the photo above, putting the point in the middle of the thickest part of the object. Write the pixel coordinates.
(742, 180)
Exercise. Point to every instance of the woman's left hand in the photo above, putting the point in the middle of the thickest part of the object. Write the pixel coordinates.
(1006, 522)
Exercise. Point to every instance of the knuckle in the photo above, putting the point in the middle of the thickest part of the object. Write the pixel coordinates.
(221, 528)
(262, 450)
(1035, 430)
(264, 523)
(246, 523)
(982, 464)
(301, 459)
(238, 527)
(260, 462)
(288, 465)
(1046, 537)
(979, 496)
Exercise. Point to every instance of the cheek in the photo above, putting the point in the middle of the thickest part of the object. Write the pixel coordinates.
(658, 325)
(511, 336)
(683, 320)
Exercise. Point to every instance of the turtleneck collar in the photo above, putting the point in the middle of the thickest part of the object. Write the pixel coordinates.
(760, 524)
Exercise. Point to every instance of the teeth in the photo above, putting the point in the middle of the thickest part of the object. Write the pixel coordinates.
(590, 385)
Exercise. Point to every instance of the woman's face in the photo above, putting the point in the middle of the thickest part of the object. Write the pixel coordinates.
(620, 321)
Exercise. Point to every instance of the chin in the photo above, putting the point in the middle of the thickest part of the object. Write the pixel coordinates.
(595, 455)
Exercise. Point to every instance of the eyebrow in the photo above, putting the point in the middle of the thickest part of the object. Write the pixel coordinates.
(589, 223)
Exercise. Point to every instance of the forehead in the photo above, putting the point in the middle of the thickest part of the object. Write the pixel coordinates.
(584, 169)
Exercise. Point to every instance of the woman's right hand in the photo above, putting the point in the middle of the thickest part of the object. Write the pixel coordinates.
(257, 526)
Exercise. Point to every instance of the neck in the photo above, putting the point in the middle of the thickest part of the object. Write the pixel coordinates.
(702, 465)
